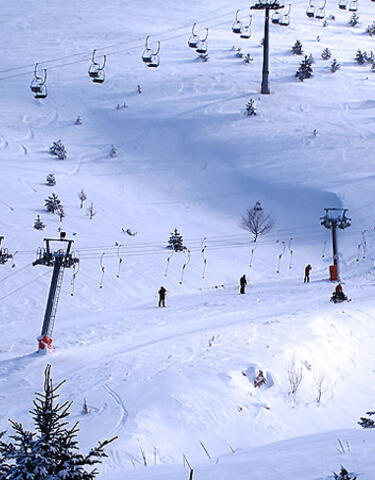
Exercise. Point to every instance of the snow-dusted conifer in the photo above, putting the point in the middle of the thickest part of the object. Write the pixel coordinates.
(251, 109)
(305, 69)
(367, 422)
(248, 58)
(326, 54)
(61, 213)
(176, 241)
(297, 48)
(78, 120)
(113, 152)
(52, 450)
(360, 57)
(59, 150)
(343, 475)
(335, 66)
(354, 20)
(51, 180)
(52, 203)
(371, 29)
(38, 224)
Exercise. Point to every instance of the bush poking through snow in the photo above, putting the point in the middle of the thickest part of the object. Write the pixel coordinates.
(59, 150)
(52, 450)
(326, 54)
(91, 212)
(294, 377)
(371, 29)
(256, 221)
(248, 58)
(251, 108)
(367, 422)
(78, 120)
(51, 180)
(38, 224)
(354, 20)
(305, 69)
(343, 475)
(82, 197)
(360, 57)
(335, 66)
(297, 48)
(52, 203)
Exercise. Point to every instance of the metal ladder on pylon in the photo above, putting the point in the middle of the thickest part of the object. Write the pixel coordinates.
(56, 301)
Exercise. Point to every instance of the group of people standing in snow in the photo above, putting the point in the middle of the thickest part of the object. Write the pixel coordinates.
(337, 296)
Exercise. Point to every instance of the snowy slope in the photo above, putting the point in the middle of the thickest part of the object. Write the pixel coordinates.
(188, 157)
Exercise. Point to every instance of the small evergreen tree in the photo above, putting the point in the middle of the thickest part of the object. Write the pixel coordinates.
(371, 29)
(360, 57)
(52, 450)
(326, 54)
(248, 58)
(367, 422)
(239, 53)
(78, 120)
(82, 197)
(59, 150)
(305, 69)
(91, 212)
(373, 66)
(297, 48)
(354, 20)
(113, 152)
(310, 59)
(52, 203)
(176, 241)
(343, 475)
(61, 213)
(251, 109)
(51, 180)
(38, 224)
(335, 66)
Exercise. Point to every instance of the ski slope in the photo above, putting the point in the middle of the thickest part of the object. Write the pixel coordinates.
(164, 380)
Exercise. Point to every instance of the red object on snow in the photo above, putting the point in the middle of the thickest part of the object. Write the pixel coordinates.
(45, 344)
(333, 273)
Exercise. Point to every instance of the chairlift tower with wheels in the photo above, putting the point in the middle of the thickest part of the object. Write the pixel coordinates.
(335, 218)
(59, 259)
(266, 5)
(4, 254)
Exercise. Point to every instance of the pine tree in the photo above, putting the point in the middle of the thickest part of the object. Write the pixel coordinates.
(38, 224)
(335, 66)
(326, 54)
(82, 196)
(251, 109)
(310, 59)
(113, 152)
(59, 150)
(52, 203)
(51, 180)
(248, 58)
(305, 69)
(176, 242)
(360, 57)
(354, 20)
(343, 475)
(371, 29)
(52, 450)
(61, 213)
(367, 422)
(297, 48)
(78, 120)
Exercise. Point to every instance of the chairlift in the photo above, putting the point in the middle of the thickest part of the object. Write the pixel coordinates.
(320, 12)
(38, 84)
(285, 19)
(147, 53)
(237, 24)
(155, 59)
(246, 29)
(353, 6)
(202, 46)
(96, 71)
(276, 17)
(194, 38)
(310, 11)
(343, 4)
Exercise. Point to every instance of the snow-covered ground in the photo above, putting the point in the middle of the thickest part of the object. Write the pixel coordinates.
(188, 157)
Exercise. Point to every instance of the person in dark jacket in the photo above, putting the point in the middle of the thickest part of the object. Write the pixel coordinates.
(243, 283)
(162, 294)
(307, 273)
(338, 295)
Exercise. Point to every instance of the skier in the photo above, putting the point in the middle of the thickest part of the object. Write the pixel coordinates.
(162, 293)
(338, 295)
(307, 273)
(243, 283)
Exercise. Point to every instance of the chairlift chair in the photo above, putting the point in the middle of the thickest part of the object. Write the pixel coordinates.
(96, 71)
(237, 24)
(276, 17)
(155, 59)
(320, 12)
(246, 29)
(310, 11)
(38, 84)
(194, 38)
(353, 6)
(343, 4)
(147, 53)
(285, 19)
(202, 46)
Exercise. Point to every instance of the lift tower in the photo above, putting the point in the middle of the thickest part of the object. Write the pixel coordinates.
(4, 254)
(266, 5)
(335, 218)
(59, 259)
